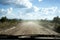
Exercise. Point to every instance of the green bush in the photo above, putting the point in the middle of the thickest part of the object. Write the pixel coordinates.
(7, 23)
(3, 19)
(56, 20)
(58, 29)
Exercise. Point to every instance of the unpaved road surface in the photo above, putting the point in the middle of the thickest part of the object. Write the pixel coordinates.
(32, 28)
(29, 28)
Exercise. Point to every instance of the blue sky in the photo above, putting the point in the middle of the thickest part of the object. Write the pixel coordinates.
(30, 9)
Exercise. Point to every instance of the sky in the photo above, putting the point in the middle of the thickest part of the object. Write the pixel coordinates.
(30, 9)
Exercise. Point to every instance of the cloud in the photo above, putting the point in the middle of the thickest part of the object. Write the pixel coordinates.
(29, 10)
(40, 0)
(51, 10)
(33, 9)
(9, 10)
(20, 3)
(38, 13)
(32, 13)
(1, 11)
(42, 13)
(5, 12)
(36, 9)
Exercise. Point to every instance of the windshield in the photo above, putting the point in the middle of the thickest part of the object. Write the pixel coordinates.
(29, 17)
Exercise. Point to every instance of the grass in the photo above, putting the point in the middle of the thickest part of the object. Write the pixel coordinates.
(6, 25)
(47, 24)
(50, 25)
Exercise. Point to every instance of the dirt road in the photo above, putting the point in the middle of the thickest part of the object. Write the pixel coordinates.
(32, 28)
(29, 28)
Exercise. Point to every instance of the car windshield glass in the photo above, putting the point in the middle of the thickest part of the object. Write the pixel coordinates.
(26, 17)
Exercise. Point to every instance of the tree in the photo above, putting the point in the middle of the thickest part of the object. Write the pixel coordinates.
(3, 19)
(58, 29)
(56, 22)
(56, 19)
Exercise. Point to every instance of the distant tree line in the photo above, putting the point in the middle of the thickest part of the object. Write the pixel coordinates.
(5, 19)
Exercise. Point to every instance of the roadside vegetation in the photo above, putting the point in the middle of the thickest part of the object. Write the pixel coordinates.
(52, 24)
(56, 22)
(6, 23)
